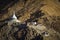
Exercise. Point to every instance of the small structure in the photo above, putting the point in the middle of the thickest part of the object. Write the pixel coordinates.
(45, 34)
(14, 18)
(39, 27)
(34, 23)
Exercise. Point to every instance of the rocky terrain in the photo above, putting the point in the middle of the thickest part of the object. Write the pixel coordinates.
(45, 12)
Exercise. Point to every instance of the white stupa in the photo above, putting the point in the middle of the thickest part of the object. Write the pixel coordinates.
(14, 18)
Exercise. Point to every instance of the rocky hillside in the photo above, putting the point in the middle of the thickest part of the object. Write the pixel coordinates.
(18, 31)
(46, 12)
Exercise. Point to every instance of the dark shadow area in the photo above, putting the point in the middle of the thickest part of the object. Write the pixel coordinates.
(22, 29)
(35, 15)
(5, 4)
(23, 33)
(38, 38)
(59, 0)
(2, 25)
(24, 1)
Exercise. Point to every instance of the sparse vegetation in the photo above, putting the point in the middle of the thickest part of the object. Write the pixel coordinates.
(45, 12)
